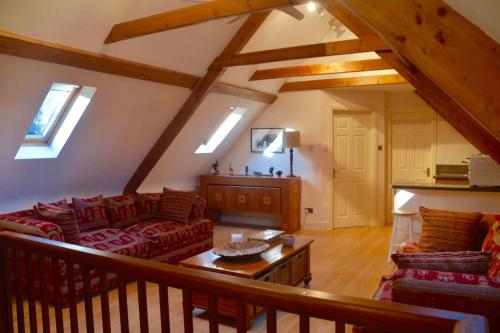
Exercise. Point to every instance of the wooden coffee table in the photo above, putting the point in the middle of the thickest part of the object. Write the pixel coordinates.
(279, 264)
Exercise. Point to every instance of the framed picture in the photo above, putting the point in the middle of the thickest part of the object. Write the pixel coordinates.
(263, 138)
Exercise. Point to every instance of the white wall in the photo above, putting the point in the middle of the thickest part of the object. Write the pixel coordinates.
(123, 118)
(126, 116)
(310, 113)
(179, 166)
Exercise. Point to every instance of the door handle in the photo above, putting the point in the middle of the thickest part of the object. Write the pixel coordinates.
(334, 172)
(427, 172)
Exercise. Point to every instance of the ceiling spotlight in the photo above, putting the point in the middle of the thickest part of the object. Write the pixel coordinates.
(311, 6)
(337, 26)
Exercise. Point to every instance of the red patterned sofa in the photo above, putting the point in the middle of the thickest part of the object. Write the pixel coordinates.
(152, 238)
(470, 282)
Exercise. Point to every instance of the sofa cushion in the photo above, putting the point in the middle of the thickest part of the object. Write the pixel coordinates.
(197, 209)
(147, 204)
(470, 293)
(31, 226)
(451, 277)
(164, 233)
(461, 261)
(492, 243)
(448, 231)
(117, 241)
(64, 217)
(90, 213)
(176, 205)
(121, 211)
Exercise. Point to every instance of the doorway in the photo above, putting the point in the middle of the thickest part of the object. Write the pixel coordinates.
(412, 145)
(353, 168)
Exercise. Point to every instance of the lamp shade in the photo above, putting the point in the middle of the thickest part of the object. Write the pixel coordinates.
(291, 139)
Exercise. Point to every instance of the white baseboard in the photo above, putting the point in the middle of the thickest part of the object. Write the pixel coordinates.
(317, 225)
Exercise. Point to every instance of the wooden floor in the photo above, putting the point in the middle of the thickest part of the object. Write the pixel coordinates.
(344, 261)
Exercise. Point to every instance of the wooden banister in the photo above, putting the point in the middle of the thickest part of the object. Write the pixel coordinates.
(306, 303)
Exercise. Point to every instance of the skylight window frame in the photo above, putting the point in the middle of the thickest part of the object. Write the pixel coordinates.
(61, 134)
(35, 140)
(204, 148)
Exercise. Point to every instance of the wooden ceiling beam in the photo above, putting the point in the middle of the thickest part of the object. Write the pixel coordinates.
(447, 108)
(430, 92)
(202, 88)
(190, 15)
(454, 53)
(302, 52)
(373, 80)
(26, 47)
(320, 69)
(246, 93)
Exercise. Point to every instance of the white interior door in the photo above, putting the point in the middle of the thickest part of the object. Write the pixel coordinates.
(353, 169)
(413, 135)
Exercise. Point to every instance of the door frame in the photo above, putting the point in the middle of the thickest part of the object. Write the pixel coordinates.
(389, 126)
(372, 160)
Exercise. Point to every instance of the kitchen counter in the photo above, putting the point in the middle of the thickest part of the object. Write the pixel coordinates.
(445, 187)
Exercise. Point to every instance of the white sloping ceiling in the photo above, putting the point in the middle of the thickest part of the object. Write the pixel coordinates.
(126, 116)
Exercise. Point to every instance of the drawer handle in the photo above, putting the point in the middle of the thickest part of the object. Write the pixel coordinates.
(218, 197)
(266, 200)
(242, 199)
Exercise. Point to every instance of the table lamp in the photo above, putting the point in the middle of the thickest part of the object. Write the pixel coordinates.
(291, 140)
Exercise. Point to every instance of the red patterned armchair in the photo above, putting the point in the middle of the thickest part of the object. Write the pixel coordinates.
(465, 281)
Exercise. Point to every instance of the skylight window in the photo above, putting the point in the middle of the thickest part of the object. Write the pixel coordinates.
(54, 122)
(50, 112)
(222, 131)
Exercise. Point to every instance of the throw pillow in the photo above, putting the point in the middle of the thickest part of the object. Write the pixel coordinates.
(63, 203)
(492, 243)
(147, 204)
(198, 210)
(462, 261)
(90, 213)
(176, 205)
(121, 211)
(64, 217)
(448, 231)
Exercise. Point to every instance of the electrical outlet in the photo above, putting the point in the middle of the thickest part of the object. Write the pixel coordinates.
(308, 210)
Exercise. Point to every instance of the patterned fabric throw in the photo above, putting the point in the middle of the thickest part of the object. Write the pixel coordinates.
(147, 205)
(176, 205)
(448, 231)
(492, 243)
(90, 213)
(64, 217)
(121, 211)
(465, 261)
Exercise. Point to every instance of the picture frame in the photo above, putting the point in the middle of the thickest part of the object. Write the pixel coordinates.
(262, 138)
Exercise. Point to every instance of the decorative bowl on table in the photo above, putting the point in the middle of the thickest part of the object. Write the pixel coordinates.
(241, 249)
(288, 240)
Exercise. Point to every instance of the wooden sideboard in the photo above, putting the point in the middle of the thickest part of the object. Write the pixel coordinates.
(278, 196)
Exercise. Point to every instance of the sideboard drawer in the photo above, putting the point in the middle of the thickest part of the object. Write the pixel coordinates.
(243, 198)
(270, 195)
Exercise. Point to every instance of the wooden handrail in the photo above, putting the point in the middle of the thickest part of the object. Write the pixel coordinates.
(307, 303)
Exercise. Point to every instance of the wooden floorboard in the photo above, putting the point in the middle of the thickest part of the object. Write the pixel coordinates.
(347, 261)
